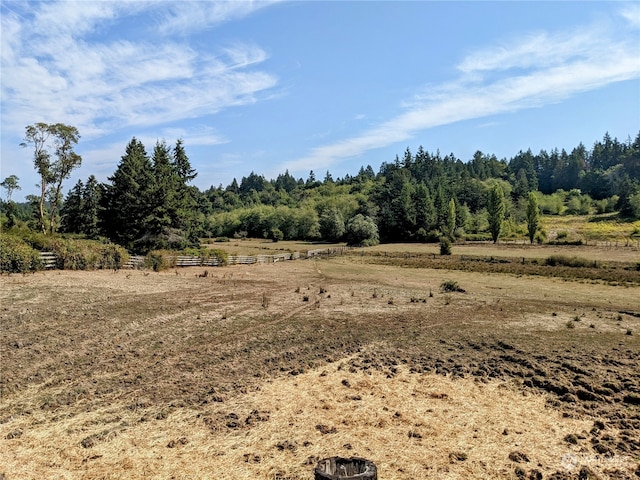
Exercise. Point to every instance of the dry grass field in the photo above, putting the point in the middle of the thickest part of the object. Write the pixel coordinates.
(257, 372)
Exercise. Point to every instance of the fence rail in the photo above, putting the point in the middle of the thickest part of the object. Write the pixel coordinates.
(137, 261)
(49, 259)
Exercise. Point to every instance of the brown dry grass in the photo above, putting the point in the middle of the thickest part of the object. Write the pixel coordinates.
(411, 425)
(602, 253)
(172, 375)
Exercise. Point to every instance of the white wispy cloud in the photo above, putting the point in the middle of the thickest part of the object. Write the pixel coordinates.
(195, 135)
(81, 63)
(182, 17)
(539, 69)
(631, 13)
(58, 63)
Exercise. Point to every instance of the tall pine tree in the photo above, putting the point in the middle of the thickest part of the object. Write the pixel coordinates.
(128, 199)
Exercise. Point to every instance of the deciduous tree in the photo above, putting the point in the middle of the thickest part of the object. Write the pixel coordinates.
(60, 139)
(495, 211)
(10, 184)
(361, 230)
(533, 216)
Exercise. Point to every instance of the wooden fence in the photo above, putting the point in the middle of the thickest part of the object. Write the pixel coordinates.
(49, 259)
(137, 261)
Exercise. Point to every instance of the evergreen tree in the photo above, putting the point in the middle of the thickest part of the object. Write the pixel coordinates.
(627, 191)
(311, 180)
(72, 210)
(80, 211)
(404, 209)
(495, 211)
(631, 159)
(163, 212)
(91, 195)
(425, 214)
(441, 208)
(328, 178)
(253, 182)
(233, 187)
(544, 170)
(606, 153)
(181, 163)
(522, 167)
(128, 201)
(285, 182)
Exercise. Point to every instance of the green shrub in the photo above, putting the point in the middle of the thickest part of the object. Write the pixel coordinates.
(563, 260)
(451, 286)
(362, 231)
(220, 254)
(478, 237)
(112, 257)
(155, 261)
(16, 256)
(71, 253)
(445, 246)
(421, 235)
(276, 234)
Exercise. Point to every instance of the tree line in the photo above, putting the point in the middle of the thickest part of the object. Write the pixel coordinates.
(149, 201)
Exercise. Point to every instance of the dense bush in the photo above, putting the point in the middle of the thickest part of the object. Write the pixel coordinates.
(206, 253)
(16, 256)
(71, 253)
(563, 260)
(362, 231)
(445, 246)
(158, 261)
(75, 254)
(259, 222)
(276, 234)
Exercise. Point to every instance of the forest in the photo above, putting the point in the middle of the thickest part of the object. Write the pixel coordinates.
(149, 201)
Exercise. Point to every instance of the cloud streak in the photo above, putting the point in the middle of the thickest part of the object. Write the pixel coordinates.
(58, 63)
(540, 69)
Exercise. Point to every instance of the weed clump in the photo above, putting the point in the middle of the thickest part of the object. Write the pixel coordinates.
(451, 286)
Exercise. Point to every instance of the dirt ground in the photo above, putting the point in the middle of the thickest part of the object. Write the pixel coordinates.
(260, 371)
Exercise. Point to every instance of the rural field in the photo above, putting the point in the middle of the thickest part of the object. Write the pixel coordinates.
(492, 363)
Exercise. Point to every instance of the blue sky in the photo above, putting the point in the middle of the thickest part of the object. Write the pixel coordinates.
(323, 86)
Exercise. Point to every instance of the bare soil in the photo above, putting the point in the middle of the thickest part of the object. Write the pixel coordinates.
(259, 371)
